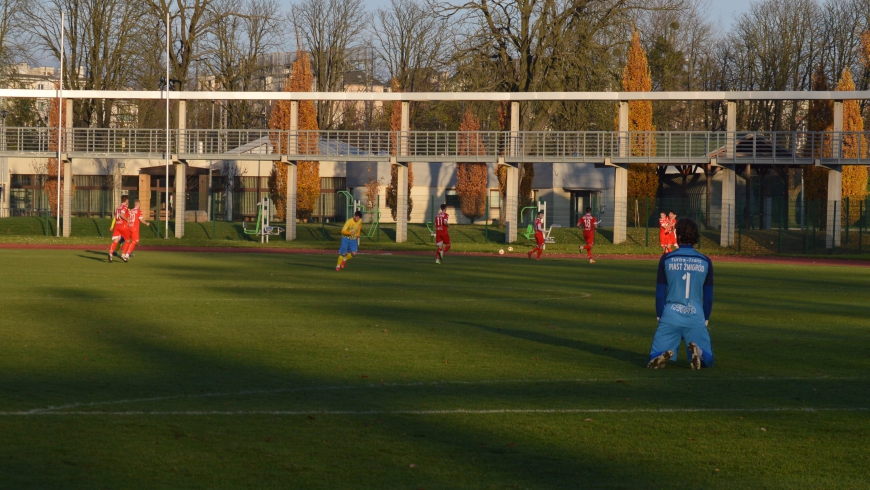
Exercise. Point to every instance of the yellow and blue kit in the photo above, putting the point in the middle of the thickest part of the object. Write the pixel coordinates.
(684, 301)
(349, 232)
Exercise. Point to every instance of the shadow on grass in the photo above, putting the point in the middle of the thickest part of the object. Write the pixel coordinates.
(629, 357)
(127, 356)
(95, 258)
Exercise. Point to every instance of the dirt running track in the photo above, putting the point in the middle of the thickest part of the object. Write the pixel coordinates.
(306, 251)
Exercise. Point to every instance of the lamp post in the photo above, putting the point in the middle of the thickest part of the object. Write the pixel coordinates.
(689, 88)
(3, 114)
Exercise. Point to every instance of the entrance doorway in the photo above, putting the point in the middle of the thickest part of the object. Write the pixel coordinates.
(580, 200)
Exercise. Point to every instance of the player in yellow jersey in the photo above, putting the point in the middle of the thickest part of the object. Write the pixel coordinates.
(349, 233)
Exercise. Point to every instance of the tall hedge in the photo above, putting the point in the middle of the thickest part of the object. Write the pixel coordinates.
(308, 172)
(643, 178)
(471, 177)
(854, 146)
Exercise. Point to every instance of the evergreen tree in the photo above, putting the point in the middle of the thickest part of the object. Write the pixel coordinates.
(308, 173)
(643, 179)
(854, 146)
(471, 177)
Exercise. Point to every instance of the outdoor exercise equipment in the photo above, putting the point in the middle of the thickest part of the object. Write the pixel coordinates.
(263, 229)
(530, 229)
(354, 205)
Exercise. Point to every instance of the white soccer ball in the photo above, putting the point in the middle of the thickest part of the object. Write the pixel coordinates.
(501, 251)
(510, 249)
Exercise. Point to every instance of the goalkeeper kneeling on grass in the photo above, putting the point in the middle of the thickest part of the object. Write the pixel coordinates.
(684, 300)
(349, 233)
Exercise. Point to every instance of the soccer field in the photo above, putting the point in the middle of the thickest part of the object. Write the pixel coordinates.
(206, 370)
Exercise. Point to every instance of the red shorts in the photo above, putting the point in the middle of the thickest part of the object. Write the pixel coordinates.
(672, 238)
(134, 235)
(121, 230)
(589, 236)
(442, 237)
(664, 240)
(539, 238)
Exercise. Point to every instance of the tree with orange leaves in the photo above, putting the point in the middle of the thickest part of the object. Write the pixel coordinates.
(643, 179)
(854, 146)
(471, 177)
(820, 118)
(308, 173)
(395, 128)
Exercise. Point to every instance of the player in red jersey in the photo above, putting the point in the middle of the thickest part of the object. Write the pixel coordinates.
(136, 218)
(589, 225)
(539, 236)
(121, 228)
(664, 233)
(672, 221)
(442, 237)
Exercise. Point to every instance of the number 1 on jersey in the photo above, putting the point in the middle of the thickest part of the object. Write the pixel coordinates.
(688, 278)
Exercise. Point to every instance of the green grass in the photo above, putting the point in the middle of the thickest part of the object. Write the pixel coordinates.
(183, 370)
(466, 238)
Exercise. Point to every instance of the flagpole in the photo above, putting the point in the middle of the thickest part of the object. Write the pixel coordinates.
(59, 121)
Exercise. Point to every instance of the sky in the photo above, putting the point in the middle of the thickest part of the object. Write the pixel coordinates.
(727, 10)
(720, 10)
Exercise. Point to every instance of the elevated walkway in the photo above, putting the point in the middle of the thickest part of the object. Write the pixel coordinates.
(596, 147)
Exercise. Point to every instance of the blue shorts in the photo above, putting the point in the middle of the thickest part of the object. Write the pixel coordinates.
(347, 245)
(667, 337)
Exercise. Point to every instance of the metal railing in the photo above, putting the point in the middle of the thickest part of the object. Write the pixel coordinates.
(661, 147)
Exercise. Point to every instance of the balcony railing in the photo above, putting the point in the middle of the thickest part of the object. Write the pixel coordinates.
(660, 147)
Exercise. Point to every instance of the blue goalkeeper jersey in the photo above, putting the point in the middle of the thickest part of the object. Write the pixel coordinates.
(684, 289)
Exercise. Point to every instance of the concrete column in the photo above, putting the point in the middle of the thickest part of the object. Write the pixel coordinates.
(620, 203)
(290, 211)
(512, 187)
(623, 150)
(68, 124)
(837, 135)
(145, 195)
(731, 128)
(182, 128)
(292, 149)
(116, 185)
(180, 196)
(402, 196)
(402, 202)
(620, 190)
(729, 201)
(67, 198)
(834, 206)
(511, 204)
(514, 149)
(5, 183)
(293, 137)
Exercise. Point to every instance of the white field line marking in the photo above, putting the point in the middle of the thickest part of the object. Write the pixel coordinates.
(459, 411)
(424, 384)
(575, 295)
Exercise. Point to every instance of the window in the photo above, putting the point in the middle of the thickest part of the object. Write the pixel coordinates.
(451, 198)
(494, 198)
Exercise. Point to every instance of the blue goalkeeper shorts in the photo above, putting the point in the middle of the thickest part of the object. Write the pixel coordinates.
(668, 337)
(347, 245)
